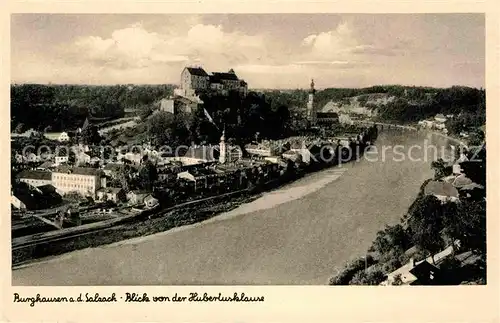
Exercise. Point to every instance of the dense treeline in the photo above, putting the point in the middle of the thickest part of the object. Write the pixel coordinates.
(455, 100)
(243, 117)
(66, 106)
(338, 94)
(411, 103)
(270, 114)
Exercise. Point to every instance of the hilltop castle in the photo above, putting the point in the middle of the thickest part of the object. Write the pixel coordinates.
(196, 78)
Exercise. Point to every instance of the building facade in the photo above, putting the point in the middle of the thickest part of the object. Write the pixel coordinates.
(196, 78)
(59, 136)
(192, 79)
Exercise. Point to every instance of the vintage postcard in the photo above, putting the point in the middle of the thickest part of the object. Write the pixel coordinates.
(262, 164)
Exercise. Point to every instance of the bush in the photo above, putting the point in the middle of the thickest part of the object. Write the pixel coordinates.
(345, 276)
(373, 277)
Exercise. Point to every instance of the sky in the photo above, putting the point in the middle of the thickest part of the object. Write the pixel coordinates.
(267, 50)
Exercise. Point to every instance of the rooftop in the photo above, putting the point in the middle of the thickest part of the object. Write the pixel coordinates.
(197, 71)
(217, 77)
(113, 166)
(79, 170)
(201, 171)
(46, 164)
(440, 188)
(140, 192)
(461, 181)
(114, 190)
(201, 152)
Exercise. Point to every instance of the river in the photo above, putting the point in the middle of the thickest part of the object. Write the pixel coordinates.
(299, 234)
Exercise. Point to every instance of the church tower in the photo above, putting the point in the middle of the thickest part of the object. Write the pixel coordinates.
(311, 114)
(223, 147)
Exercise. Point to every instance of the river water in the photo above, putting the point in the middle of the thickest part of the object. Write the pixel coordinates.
(300, 234)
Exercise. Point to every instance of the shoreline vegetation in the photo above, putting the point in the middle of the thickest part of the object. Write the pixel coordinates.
(270, 115)
(450, 235)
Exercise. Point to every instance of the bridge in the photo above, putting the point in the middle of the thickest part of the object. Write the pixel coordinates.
(383, 125)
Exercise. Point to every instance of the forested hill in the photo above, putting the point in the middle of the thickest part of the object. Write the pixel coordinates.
(66, 106)
(409, 104)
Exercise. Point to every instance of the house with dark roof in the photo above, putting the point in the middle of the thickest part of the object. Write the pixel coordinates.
(27, 197)
(201, 177)
(443, 191)
(327, 117)
(228, 80)
(47, 165)
(137, 196)
(115, 194)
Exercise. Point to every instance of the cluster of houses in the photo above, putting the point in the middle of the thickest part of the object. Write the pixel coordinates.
(199, 167)
(448, 189)
(454, 186)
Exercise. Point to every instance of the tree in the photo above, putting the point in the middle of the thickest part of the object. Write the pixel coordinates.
(426, 224)
(468, 225)
(148, 175)
(476, 138)
(397, 280)
(71, 157)
(439, 168)
(19, 128)
(370, 277)
(391, 238)
(123, 175)
(90, 135)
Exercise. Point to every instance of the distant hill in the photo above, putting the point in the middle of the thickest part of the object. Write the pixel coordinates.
(401, 103)
(65, 107)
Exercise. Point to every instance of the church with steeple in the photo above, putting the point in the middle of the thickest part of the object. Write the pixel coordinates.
(223, 148)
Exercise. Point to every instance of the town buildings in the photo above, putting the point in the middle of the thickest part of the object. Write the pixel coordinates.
(83, 180)
(327, 118)
(437, 123)
(422, 272)
(114, 194)
(265, 149)
(137, 196)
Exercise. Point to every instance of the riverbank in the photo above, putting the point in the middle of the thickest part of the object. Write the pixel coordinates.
(315, 229)
(180, 219)
(178, 216)
(151, 225)
(448, 236)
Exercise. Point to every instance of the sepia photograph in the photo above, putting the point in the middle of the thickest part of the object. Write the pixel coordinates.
(248, 149)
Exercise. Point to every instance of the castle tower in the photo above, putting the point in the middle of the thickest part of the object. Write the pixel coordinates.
(223, 147)
(311, 114)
